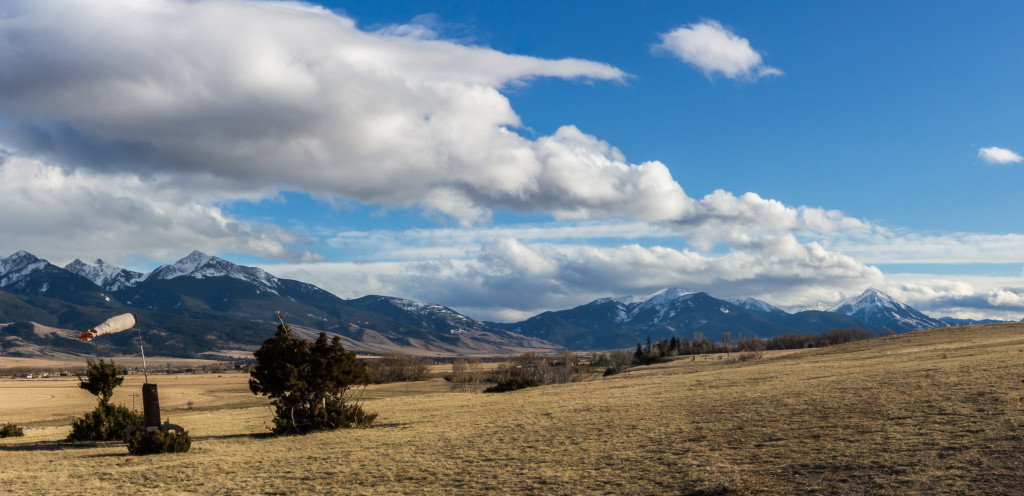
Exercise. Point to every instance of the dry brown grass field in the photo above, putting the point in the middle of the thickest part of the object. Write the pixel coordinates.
(931, 412)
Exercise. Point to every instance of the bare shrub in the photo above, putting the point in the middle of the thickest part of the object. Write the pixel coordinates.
(568, 358)
(534, 369)
(618, 361)
(466, 375)
(459, 369)
(396, 367)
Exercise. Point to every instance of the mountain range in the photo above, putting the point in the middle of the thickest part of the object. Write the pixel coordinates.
(625, 321)
(622, 322)
(205, 304)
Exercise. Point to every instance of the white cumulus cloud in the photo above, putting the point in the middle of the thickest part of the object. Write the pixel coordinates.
(298, 97)
(714, 49)
(996, 155)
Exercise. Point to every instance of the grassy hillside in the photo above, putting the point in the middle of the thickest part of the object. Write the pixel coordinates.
(930, 412)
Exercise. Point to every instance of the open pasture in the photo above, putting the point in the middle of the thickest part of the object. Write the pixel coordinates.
(931, 412)
(55, 399)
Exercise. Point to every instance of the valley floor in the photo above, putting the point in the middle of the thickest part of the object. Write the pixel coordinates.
(931, 412)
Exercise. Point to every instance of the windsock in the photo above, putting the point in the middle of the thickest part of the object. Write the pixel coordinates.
(119, 323)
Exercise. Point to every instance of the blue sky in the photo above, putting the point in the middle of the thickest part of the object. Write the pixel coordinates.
(505, 158)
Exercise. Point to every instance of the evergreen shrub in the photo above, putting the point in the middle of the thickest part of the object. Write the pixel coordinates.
(155, 442)
(11, 430)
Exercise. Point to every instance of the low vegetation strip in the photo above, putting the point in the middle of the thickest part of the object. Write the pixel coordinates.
(931, 412)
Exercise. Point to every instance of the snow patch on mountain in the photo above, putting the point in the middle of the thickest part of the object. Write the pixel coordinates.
(756, 305)
(460, 324)
(815, 307)
(659, 297)
(625, 300)
(667, 295)
(620, 315)
(663, 303)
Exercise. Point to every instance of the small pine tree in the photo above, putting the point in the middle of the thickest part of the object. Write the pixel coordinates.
(101, 379)
(307, 383)
(107, 421)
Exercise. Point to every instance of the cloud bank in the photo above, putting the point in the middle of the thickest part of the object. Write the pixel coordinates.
(73, 214)
(527, 278)
(496, 275)
(715, 50)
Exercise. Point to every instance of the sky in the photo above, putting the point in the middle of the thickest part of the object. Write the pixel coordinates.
(506, 158)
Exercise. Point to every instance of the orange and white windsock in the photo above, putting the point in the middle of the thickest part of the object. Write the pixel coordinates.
(119, 323)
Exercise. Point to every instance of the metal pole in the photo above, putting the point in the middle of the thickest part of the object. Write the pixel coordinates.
(143, 350)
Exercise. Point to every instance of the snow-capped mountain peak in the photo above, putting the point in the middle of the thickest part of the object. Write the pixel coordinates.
(107, 276)
(876, 307)
(18, 259)
(660, 305)
(199, 265)
(870, 299)
(17, 266)
(20, 254)
(183, 267)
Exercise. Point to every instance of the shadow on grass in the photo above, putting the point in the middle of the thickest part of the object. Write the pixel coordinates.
(73, 445)
(269, 435)
(257, 435)
(59, 445)
(392, 425)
